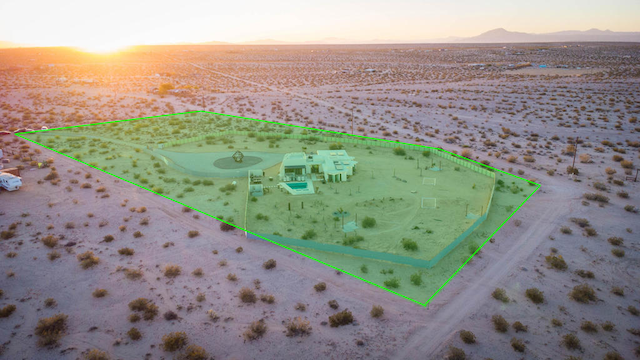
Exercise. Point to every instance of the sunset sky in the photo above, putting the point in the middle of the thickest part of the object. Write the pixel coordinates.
(116, 23)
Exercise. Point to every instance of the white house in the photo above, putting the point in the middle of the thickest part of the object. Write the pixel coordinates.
(327, 165)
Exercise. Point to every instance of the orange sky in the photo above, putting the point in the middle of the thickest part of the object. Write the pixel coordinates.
(117, 23)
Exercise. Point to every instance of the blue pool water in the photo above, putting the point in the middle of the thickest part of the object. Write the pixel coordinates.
(298, 185)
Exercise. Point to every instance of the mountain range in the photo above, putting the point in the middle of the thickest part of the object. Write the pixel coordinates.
(499, 35)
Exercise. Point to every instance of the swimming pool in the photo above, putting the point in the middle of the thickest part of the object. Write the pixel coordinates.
(298, 185)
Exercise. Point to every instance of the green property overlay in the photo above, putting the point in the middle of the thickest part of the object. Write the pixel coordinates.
(403, 217)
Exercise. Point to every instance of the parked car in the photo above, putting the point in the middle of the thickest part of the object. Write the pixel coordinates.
(10, 182)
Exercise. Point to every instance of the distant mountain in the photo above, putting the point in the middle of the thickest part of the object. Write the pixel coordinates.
(266, 42)
(504, 36)
(9, 44)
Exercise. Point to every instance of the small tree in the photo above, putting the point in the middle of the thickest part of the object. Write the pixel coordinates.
(163, 89)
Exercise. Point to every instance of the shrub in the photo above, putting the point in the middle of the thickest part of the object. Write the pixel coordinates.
(623, 194)
(174, 341)
(297, 327)
(376, 311)
(138, 234)
(500, 294)
(108, 238)
(399, 151)
(247, 295)
(170, 315)
(134, 334)
(630, 208)
(580, 222)
(194, 352)
(617, 252)
(147, 307)
(518, 327)
(88, 260)
(95, 354)
(126, 251)
(171, 271)
(392, 283)
(416, 279)
(343, 317)
(269, 264)
(309, 234)
(7, 311)
(535, 295)
(226, 227)
(633, 311)
(51, 329)
(585, 274)
(456, 354)
(583, 294)
(232, 277)
(8, 234)
(612, 355)
(132, 274)
(566, 230)
(616, 290)
(368, 222)
(50, 241)
(53, 255)
(589, 327)
(99, 293)
(555, 322)
(351, 240)
(571, 342)
(269, 299)
(198, 272)
(193, 233)
(333, 304)
(616, 241)
(596, 197)
(499, 323)
(321, 286)
(467, 337)
(608, 326)
(557, 262)
(256, 330)
(409, 245)
(517, 345)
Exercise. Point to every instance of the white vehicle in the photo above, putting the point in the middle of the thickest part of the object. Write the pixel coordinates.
(44, 128)
(10, 182)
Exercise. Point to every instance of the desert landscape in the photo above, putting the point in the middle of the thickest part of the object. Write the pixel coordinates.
(95, 267)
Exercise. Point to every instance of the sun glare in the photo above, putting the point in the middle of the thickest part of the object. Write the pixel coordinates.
(102, 48)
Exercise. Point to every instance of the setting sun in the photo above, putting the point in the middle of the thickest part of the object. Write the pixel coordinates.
(103, 48)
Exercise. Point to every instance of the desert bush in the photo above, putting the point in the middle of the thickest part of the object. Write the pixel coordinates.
(6, 311)
(535, 295)
(399, 151)
(343, 317)
(589, 327)
(583, 294)
(247, 295)
(585, 274)
(499, 323)
(557, 262)
(194, 352)
(626, 164)
(198, 272)
(333, 304)
(201, 297)
(126, 251)
(455, 353)
(566, 230)
(368, 222)
(50, 241)
(269, 299)
(269, 264)
(232, 277)
(608, 326)
(580, 222)
(171, 271)
(193, 233)
(147, 307)
(133, 274)
(51, 329)
(616, 241)
(297, 327)
(88, 260)
(239, 249)
(416, 279)
(170, 315)
(500, 294)
(571, 342)
(99, 293)
(467, 337)
(174, 341)
(256, 330)
(376, 311)
(134, 334)
(321, 286)
(623, 194)
(309, 234)
(108, 238)
(7, 234)
(589, 231)
(409, 245)
(95, 354)
(630, 208)
(633, 311)
(300, 307)
(226, 227)
(616, 290)
(518, 327)
(138, 234)
(617, 252)
(392, 283)
(596, 197)
(517, 345)
(556, 322)
(53, 255)
(612, 355)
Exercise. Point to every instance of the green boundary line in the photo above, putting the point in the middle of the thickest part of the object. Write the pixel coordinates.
(20, 135)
